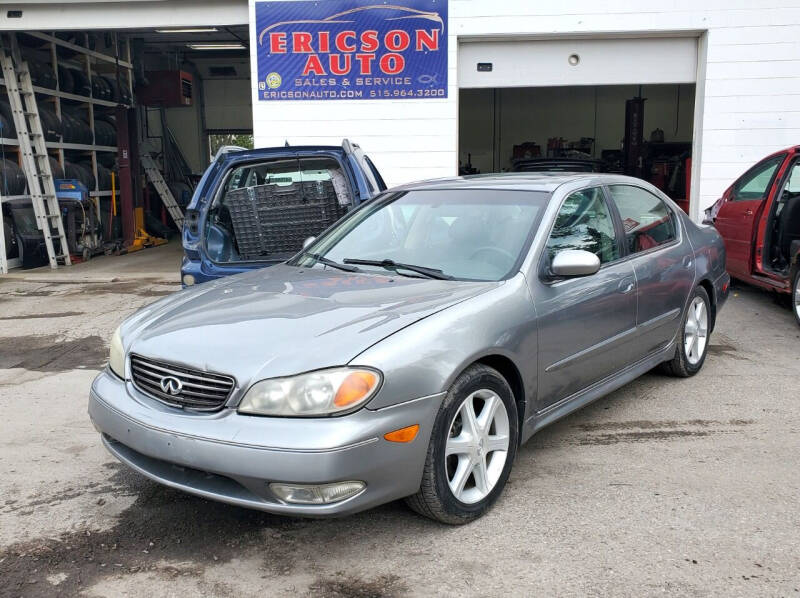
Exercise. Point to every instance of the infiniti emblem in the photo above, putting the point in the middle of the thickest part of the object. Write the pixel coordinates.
(171, 385)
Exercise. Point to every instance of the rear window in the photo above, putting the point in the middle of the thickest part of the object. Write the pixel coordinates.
(267, 209)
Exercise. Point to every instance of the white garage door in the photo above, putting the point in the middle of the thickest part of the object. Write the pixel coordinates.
(44, 15)
(544, 63)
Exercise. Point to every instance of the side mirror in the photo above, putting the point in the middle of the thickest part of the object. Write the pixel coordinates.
(574, 262)
(308, 241)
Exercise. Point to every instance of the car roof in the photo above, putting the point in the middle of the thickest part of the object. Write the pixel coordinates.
(241, 154)
(517, 181)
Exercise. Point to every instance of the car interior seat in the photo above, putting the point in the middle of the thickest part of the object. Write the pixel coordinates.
(789, 224)
(468, 232)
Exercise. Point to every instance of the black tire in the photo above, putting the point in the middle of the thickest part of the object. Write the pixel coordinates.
(435, 498)
(796, 296)
(65, 80)
(680, 366)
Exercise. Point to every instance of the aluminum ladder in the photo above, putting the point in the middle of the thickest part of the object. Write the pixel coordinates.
(3, 257)
(35, 161)
(155, 177)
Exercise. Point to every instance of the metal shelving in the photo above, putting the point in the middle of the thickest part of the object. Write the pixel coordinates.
(83, 50)
(66, 146)
(90, 63)
(45, 91)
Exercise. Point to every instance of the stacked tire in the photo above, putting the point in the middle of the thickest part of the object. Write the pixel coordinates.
(9, 130)
(42, 74)
(103, 178)
(76, 127)
(80, 171)
(12, 179)
(65, 81)
(101, 88)
(119, 93)
(105, 132)
(55, 168)
(51, 125)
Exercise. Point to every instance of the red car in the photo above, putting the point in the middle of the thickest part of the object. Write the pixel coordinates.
(759, 219)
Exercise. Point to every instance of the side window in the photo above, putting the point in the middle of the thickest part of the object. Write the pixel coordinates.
(647, 220)
(584, 222)
(755, 182)
(793, 182)
(789, 198)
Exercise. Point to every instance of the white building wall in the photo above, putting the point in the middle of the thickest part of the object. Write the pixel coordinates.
(750, 93)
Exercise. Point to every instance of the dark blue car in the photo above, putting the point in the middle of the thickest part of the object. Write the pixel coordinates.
(254, 208)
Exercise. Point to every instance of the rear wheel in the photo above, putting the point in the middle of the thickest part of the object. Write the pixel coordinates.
(693, 339)
(472, 448)
(796, 296)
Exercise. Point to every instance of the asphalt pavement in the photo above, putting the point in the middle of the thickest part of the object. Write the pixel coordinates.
(667, 486)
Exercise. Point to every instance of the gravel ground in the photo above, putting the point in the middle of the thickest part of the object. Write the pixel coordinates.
(685, 487)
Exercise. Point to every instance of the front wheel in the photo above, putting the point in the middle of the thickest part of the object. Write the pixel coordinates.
(472, 448)
(693, 337)
(796, 296)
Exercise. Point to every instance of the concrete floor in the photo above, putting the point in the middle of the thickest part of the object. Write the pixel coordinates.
(683, 487)
(155, 264)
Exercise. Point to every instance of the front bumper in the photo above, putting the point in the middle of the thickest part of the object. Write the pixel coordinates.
(233, 458)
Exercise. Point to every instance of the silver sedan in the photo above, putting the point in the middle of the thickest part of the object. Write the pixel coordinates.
(410, 349)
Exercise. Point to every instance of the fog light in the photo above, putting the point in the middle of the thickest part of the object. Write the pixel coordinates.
(188, 280)
(323, 494)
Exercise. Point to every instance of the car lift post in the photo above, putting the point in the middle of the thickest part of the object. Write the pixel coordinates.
(125, 159)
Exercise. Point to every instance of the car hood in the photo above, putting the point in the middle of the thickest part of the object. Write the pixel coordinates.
(285, 320)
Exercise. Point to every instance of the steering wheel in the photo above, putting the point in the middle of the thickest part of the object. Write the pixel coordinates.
(505, 262)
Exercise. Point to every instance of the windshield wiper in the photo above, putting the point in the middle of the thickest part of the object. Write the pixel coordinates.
(323, 260)
(393, 265)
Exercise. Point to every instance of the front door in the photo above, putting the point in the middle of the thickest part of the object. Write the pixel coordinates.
(738, 216)
(585, 323)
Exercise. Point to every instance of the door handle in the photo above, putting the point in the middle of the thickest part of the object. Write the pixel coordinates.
(748, 212)
(626, 286)
(687, 262)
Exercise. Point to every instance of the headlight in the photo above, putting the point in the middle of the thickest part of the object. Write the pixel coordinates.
(324, 392)
(116, 356)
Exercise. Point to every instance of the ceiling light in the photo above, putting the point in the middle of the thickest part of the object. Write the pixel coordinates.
(217, 46)
(189, 30)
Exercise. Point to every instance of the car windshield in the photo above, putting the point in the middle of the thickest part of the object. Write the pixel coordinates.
(465, 234)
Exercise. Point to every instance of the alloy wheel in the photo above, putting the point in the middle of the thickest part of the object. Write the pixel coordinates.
(477, 446)
(797, 299)
(695, 334)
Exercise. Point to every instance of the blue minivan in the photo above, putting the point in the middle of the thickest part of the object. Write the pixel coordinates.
(254, 208)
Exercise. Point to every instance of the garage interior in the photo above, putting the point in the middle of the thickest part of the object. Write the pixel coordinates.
(504, 130)
(109, 102)
(604, 105)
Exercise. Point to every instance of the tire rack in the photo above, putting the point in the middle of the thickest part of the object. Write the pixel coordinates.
(90, 60)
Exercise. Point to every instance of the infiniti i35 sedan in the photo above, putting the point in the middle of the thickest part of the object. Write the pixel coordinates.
(410, 349)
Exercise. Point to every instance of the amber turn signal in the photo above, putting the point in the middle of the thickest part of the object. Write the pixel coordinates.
(406, 434)
(354, 388)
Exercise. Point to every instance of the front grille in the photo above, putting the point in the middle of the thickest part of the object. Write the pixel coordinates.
(200, 391)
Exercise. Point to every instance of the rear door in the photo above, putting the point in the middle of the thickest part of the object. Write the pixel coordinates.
(741, 209)
(662, 261)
